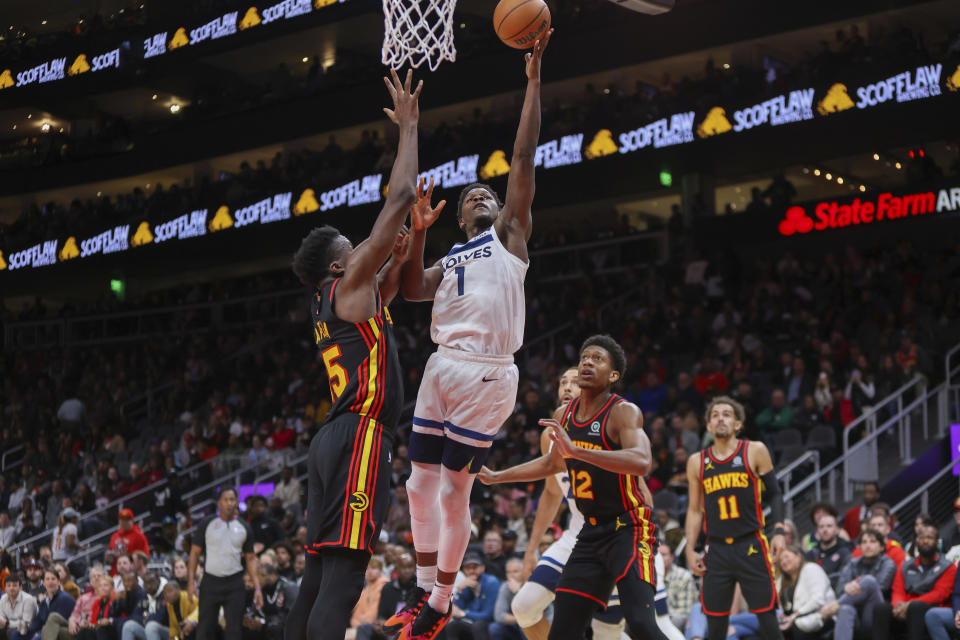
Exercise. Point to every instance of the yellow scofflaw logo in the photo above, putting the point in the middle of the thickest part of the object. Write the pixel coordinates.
(6, 79)
(953, 82)
(601, 145)
(3, 263)
(360, 501)
(69, 250)
(307, 203)
(835, 101)
(250, 19)
(714, 124)
(319, 4)
(143, 235)
(496, 165)
(179, 39)
(80, 65)
(221, 219)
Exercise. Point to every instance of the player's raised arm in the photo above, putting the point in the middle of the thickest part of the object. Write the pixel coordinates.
(515, 224)
(417, 283)
(626, 427)
(388, 278)
(356, 300)
(546, 465)
(694, 519)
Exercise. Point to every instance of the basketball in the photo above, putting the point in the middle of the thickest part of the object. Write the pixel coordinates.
(519, 23)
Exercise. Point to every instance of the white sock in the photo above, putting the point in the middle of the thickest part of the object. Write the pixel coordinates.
(440, 597)
(426, 576)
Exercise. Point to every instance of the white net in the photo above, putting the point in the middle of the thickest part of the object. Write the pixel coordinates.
(417, 32)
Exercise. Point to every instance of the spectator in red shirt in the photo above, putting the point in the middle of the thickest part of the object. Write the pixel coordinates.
(857, 514)
(892, 549)
(917, 586)
(710, 380)
(135, 482)
(126, 539)
(282, 434)
(840, 413)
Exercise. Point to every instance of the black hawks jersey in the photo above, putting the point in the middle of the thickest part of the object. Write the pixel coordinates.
(600, 495)
(731, 494)
(361, 360)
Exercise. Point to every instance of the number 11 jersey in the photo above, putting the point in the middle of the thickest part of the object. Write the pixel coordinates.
(479, 305)
(731, 494)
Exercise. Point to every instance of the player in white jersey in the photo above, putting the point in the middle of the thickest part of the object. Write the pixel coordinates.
(538, 592)
(469, 385)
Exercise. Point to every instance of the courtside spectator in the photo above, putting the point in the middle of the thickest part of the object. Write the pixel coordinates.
(881, 524)
(53, 611)
(266, 530)
(126, 539)
(66, 580)
(101, 624)
(34, 582)
(475, 598)
(126, 602)
(917, 586)
(858, 513)
(17, 609)
(393, 595)
(943, 622)
(682, 591)
(82, 610)
(830, 552)
(494, 560)
(504, 625)
(177, 619)
(279, 594)
(135, 626)
(864, 583)
(365, 612)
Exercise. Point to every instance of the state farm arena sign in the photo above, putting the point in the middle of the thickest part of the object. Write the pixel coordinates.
(882, 208)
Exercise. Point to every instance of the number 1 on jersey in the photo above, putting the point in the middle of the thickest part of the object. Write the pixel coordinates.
(460, 271)
(728, 507)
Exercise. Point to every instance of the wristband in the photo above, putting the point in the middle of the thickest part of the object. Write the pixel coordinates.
(779, 531)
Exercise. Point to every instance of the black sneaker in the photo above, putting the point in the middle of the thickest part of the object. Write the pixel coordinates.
(399, 620)
(427, 625)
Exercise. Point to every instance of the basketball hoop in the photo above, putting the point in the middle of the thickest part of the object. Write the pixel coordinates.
(417, 32)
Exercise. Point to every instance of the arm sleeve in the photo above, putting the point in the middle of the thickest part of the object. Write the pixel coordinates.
(771, 495)
(941, 589)
(502, 607)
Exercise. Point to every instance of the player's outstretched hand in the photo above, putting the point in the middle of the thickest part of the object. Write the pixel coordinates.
(533, 59)
(487, 475)
(401, 249)
(422, 215)
(406, 108)
(695, 564)
(560, 438)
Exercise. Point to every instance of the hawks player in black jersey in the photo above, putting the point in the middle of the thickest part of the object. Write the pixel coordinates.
(599, 440)
(729, 484)
(349, 459)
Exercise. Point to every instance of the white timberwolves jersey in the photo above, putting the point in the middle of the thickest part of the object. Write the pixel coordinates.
(576, 518)
(479, 306)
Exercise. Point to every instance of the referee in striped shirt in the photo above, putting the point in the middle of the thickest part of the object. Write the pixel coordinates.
(225, 540)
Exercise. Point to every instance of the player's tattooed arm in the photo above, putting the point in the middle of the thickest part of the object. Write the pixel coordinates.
(515, 224)
(419, 284)
(694, 519)
(625, 427)
(356, 294)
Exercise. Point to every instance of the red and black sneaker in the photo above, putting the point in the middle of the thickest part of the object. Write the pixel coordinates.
(427, 625)
(415, 602)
